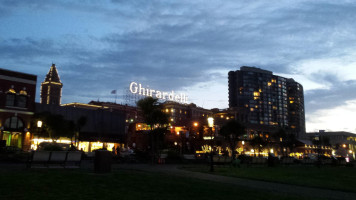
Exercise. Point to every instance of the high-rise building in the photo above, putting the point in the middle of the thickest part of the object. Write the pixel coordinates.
(51, 87)
(266, 102)
(296, 113)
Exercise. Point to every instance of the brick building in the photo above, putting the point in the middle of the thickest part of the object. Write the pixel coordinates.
(17, 105)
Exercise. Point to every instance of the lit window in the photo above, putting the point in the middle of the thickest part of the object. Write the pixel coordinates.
(291, 101)
(256, 94)
(269, 83)
(252, 109)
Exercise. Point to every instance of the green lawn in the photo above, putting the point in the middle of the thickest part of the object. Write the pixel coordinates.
(337, 178)
(79, 184)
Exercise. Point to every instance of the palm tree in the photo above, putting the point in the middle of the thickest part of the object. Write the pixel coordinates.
(279, 138)
(232, 131)
(79, 125)
(259, 143)
(153, 116)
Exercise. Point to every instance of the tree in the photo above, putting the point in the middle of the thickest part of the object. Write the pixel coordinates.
(279, 138)
(258, 143)
(284, 140)
(153, 116)
(232, 131)
(79, 125)
(54, 126)
(152, 112)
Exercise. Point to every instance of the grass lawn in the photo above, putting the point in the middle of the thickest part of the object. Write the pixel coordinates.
(79, 184)
(337, 178)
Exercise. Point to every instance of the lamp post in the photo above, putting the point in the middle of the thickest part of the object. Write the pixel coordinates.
(211, 125)
(39, 129)
(39, 124)
(243, 147)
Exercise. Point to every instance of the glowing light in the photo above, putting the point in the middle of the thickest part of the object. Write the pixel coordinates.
(195, 124)
(12, 91)
(136, 88)
(210, 122)
(39, 124)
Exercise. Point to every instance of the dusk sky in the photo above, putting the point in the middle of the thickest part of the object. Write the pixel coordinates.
(187, 46)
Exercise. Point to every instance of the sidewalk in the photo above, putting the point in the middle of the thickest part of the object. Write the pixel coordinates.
(301, 191)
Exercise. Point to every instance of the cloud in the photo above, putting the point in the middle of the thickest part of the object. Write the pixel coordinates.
(338, 118)
(183, 45)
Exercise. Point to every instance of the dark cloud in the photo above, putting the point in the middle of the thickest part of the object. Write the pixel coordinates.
(179, 44)
(336, 95)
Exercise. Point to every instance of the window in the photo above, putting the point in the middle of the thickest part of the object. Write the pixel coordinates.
(21, 101)
(13, 123)
(10, 99)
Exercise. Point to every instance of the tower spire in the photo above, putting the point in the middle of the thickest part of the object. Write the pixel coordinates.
(51, 87)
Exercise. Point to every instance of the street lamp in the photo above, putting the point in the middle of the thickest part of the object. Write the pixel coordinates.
(39, 124)
(39, 129)
(211, 125)
(243, 147)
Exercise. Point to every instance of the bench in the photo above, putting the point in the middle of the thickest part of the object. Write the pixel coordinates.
(308, 161)
(287, 161)
(222, 160)
(259, 160)
(55, 159)
(189, 156)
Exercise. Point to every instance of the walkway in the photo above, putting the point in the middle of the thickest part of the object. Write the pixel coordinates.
(279, 188)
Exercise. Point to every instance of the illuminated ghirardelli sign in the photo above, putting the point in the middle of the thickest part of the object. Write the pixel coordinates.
(136, 88)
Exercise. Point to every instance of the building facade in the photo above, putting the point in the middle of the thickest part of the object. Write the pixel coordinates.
(51, 87)
(17, 105)
(265, 102)
(342, 143)
(104, 127)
